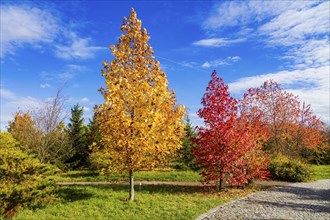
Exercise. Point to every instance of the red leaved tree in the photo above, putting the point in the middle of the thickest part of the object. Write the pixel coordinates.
(228, 144)
(291, 125)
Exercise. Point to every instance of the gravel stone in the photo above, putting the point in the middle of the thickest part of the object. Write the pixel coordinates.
(294, 201)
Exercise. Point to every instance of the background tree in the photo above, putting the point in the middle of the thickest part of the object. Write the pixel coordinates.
(139, 121)
(292, 127)
(78, 140)
(93, 134)
(185, 158)
(227, 145)
(23, 128)
(50, 142)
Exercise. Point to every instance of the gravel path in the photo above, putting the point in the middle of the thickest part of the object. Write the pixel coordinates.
(294, 201)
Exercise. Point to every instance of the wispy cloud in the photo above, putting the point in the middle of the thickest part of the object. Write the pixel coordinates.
(86, 109)
(299, 28)
(77, 48)
(23, 25)
(68, 72)
(45, 86)
(241, 13)
(221, 62)
(85, 99)
(217, 42)
(11, 102)
(6, 94)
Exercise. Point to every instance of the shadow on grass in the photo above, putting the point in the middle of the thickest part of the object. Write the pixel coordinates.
(74, 192)
(81, 174)
(71, 194)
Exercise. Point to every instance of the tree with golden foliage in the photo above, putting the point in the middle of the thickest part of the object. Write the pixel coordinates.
(139, 121)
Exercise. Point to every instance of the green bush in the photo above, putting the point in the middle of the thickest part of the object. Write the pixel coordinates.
(291, 170)
(23, 179)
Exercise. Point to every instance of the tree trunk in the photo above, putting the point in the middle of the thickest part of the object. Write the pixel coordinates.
(131, 185)
(220, 184)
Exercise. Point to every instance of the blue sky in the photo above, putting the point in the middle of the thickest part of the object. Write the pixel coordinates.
(48, 44)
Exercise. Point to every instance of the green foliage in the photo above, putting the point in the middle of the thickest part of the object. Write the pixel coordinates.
(78, 141)
(23, 179)
(109, 202)
(291, 170)
(185, 159)
(93, 134)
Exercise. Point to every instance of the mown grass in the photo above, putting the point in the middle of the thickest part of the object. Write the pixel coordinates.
(321, 172)
(92, 176)
(110, 202)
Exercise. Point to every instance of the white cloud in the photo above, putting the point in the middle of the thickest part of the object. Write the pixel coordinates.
(234, 13)
(217, 42)
(45, 86)
(11, 103)
(6, 94)
(25, 25)
(65, 75)
(78, 48)
(69, 72)
(196, 120)
(221, 62)
(86, 109)
(188, 64)
(299, 28)
(85, 99)
(293, 26)
(311, 85)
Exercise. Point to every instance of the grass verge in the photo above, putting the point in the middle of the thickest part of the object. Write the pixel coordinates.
(321, 172)
(154, 202)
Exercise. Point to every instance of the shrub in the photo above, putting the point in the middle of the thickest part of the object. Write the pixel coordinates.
(23, 179)
(291, 170)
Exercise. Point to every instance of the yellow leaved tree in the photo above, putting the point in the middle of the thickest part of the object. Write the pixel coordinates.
(139, 122)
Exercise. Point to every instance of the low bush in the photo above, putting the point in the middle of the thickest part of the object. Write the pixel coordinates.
(291, 170)
(23, 179)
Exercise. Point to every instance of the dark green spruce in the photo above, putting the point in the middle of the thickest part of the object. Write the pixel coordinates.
(185, 155)
(77, 133)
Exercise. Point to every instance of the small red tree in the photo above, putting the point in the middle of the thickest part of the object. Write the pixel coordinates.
(227, 144)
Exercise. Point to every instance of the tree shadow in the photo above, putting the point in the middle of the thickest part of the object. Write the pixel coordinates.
(81, 174)
(305, 193)
(304, 198)
(295, 206)
(71, 194)
(153, 188)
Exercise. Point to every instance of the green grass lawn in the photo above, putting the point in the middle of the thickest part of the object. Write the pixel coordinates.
(321, 172)
(110, 202)
(92, 176)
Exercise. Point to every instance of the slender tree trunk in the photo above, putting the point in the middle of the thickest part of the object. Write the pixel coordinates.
(131, 185)
(220, 184)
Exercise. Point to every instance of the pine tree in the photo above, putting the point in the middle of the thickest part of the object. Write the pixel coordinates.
(77, 130)
(139, 122)
(185, 158)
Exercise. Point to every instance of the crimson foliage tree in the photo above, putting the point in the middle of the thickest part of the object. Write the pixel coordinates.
(228, 146)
